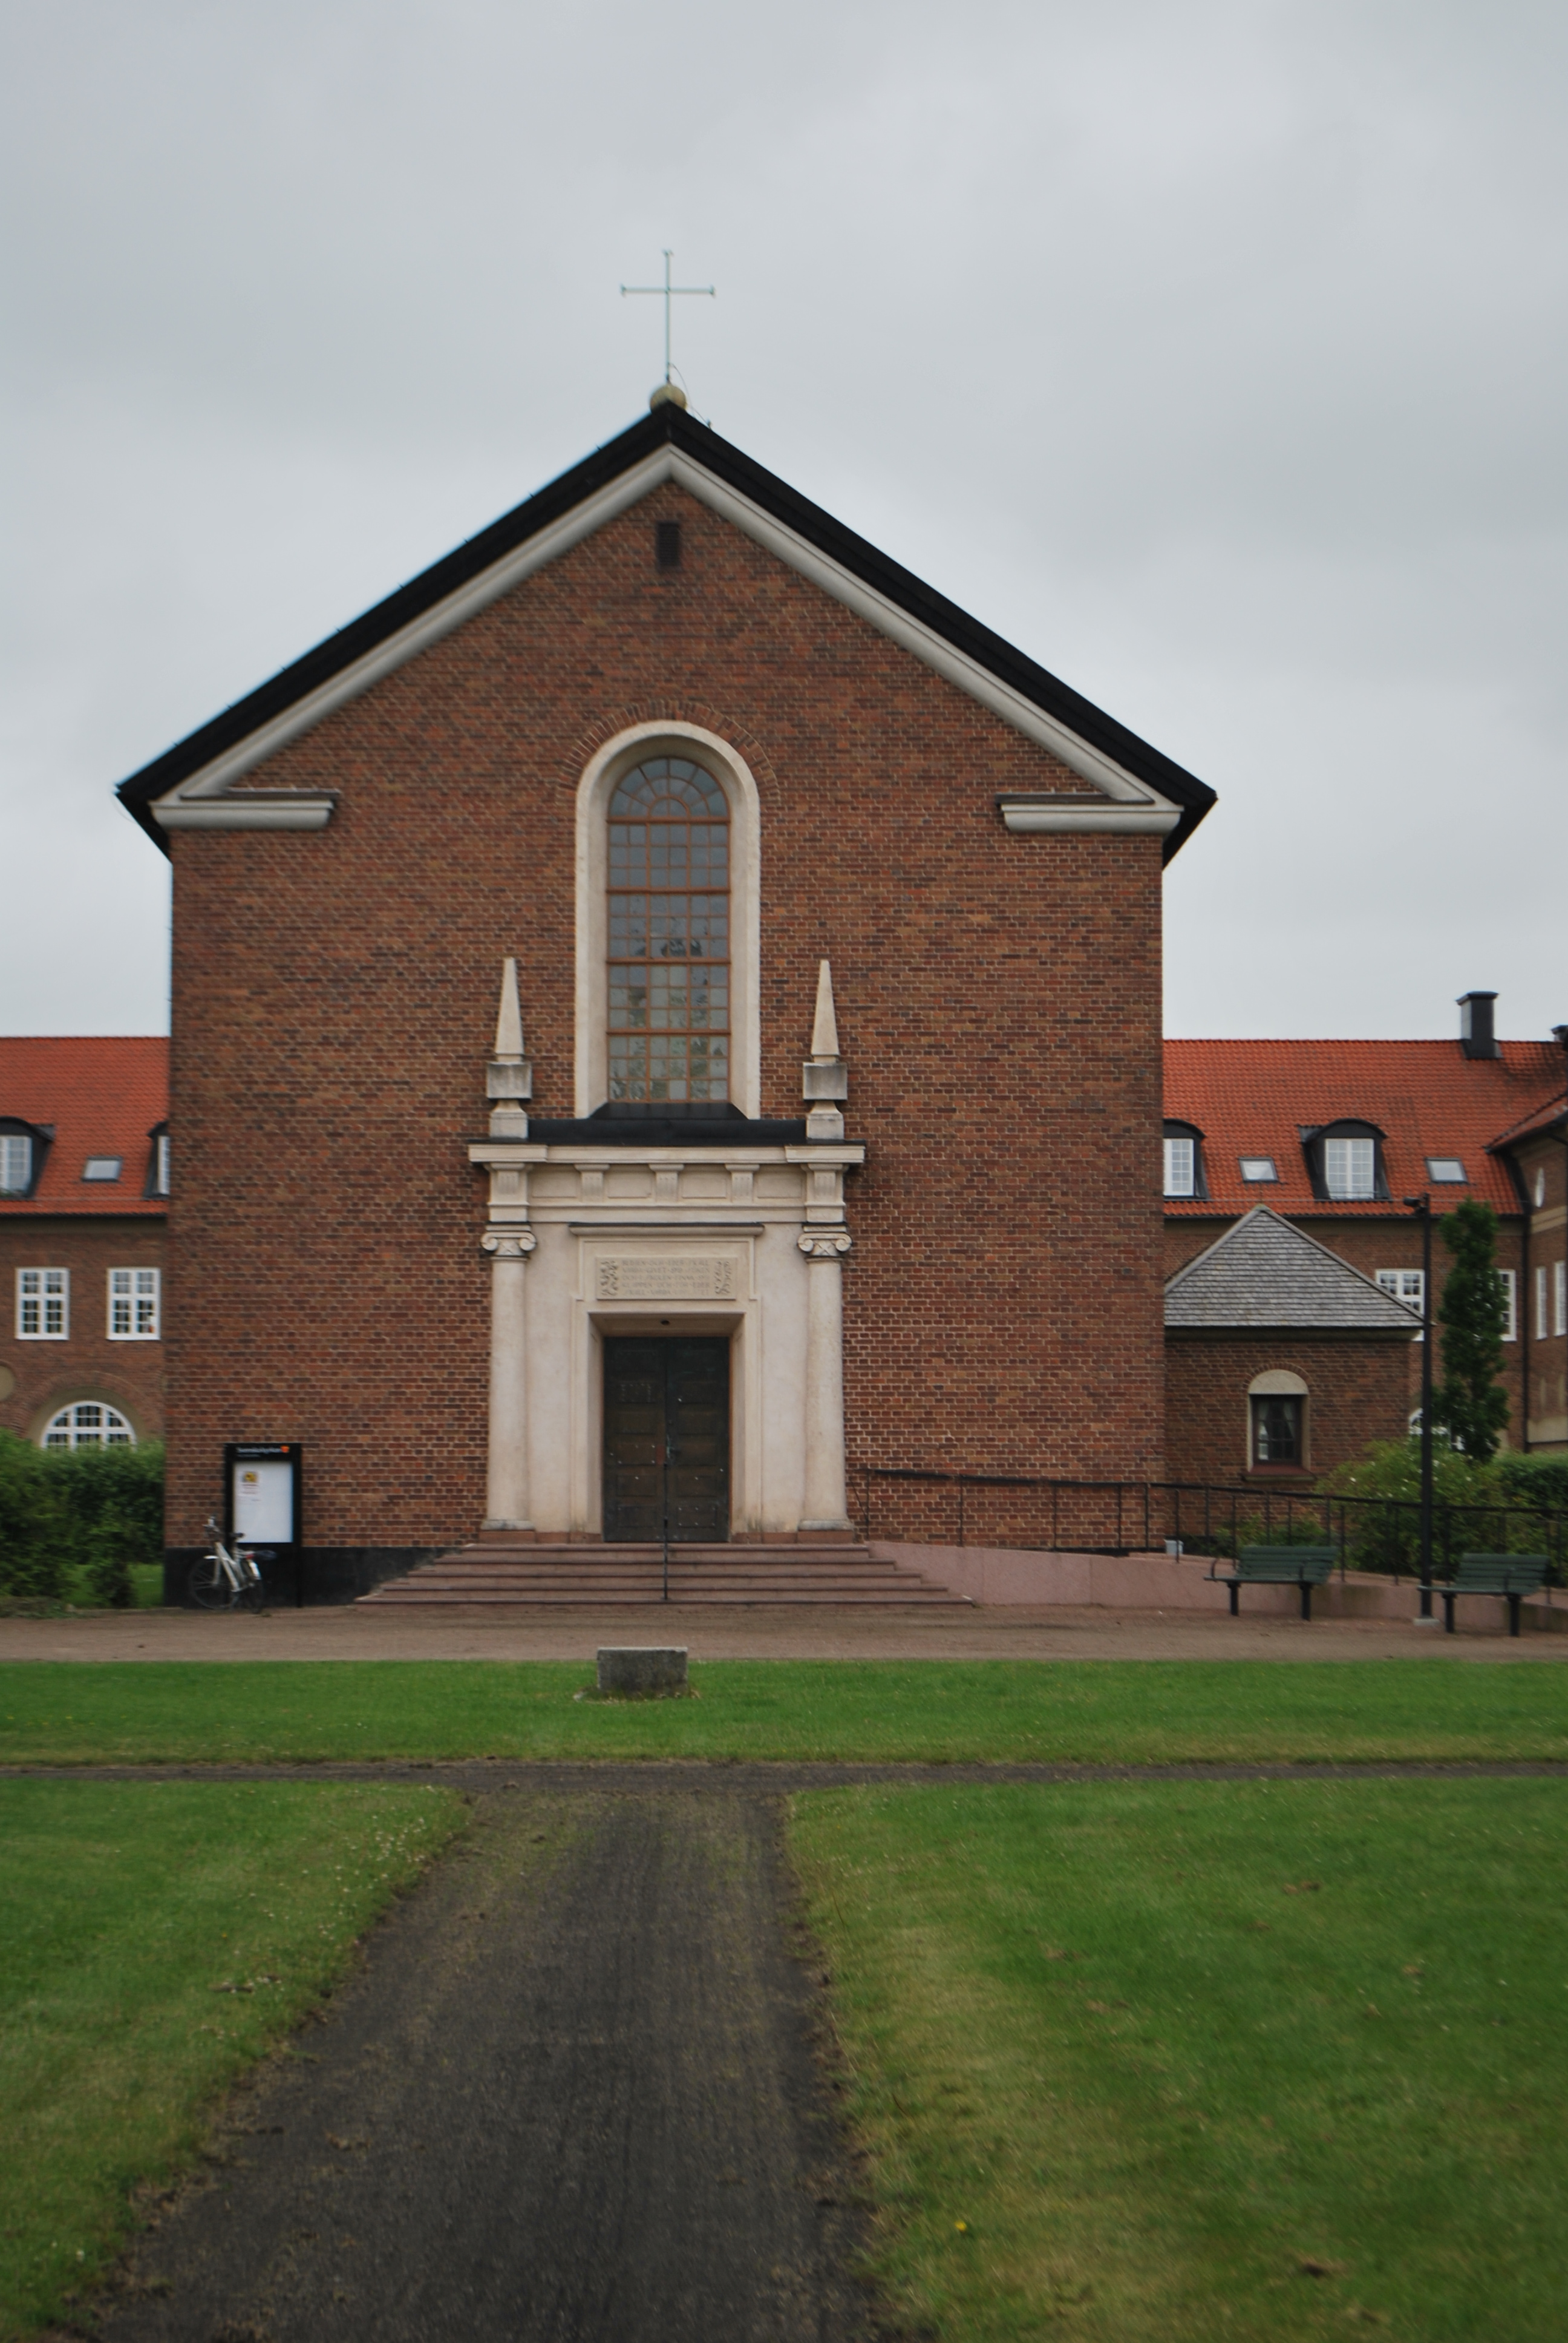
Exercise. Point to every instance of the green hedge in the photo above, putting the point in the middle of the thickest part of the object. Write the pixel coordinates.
(100, 1509)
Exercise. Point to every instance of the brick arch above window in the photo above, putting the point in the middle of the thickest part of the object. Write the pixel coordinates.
(605, 771)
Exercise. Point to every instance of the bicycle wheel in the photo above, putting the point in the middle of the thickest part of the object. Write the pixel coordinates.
(252, 1595)
(207, 1586)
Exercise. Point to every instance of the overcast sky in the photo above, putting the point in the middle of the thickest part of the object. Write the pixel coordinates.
(1211, 353)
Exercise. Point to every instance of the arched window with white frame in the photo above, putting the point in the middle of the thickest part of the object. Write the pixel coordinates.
(669, 926)
(87, 1424)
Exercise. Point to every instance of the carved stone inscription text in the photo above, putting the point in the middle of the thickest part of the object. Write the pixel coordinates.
(691, 1277)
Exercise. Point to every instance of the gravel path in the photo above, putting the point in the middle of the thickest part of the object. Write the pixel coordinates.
(571, 2094)
(801, 1632)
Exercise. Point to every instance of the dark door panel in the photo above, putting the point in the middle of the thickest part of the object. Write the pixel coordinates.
(667, 1438)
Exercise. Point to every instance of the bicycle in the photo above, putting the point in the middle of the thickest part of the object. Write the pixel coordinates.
(222, 1581)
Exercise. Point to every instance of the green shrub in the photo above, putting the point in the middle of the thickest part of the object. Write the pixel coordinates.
(1535, 1480)
(112, 1547)
(125, 1482)
(1477, 1508)
(35, 1538)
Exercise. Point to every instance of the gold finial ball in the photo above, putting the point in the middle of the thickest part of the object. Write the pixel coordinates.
(669, 394)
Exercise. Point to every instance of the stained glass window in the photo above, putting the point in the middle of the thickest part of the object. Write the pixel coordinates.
(668, 963)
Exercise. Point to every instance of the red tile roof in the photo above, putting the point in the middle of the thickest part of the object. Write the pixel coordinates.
(1250, 1098)
(102, 1095)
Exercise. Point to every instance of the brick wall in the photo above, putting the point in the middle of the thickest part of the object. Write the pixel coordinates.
(1545, 1358)
(333, 1001)
(36, 1378)
(1356, 1392)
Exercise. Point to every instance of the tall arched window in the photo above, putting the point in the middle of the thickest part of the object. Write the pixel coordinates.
(668, 965)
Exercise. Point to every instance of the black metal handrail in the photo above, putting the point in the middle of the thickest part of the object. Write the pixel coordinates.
(1379, 1534)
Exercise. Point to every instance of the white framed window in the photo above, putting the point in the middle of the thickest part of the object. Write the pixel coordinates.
(1510, 1305)
(1446, 1171)
(103, 1167)
(1258, 1167)
(1349, 1169)
(1560, 1297)
(134, 1299)
(1540, 1301)
(16, 1163)
(1406, 1285)
(44, 1305)
(161, 1165)
(1540, 1185)
(1181, 1167)
(88, 1424)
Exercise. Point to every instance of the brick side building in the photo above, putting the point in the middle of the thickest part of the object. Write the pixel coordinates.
(613, 783)
(83, 1179)
(1335, 1135)
(1281, 1360)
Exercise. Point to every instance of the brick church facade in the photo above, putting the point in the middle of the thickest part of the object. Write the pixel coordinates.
(666, 948)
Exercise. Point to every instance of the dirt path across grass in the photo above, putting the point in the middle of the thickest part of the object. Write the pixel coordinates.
(801, 1632)
(572, 2097)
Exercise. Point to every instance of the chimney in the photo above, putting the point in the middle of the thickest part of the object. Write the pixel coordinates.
(1476, 1037)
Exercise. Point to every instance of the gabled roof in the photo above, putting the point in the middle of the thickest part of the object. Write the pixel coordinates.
(104, 1096)
(669, 444)
(1264, 1275)
(1256, 1098)
(1547, 1118)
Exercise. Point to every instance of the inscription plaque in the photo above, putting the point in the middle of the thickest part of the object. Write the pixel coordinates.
(680, 1277)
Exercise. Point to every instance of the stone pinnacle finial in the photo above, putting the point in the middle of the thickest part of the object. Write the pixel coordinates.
(825, 1075)
(509, 1078)
(825, 1025)
(510, 1016)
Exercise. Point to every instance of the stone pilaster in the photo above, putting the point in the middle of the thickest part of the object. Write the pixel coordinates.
(507, 1480)
(826, 1507)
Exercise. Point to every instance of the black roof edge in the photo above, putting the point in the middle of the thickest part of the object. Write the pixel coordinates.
(561, 495)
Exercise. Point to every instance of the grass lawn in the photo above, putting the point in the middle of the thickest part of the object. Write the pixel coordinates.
(1160, 2063)
(123, 1909)
(68, 1712)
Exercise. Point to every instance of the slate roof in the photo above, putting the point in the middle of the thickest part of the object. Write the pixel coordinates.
(1265, 1273)
(667, 424)
(103, 1094)
(1253, 1098)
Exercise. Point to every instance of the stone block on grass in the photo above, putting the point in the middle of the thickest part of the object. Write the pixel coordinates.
(642, 1668)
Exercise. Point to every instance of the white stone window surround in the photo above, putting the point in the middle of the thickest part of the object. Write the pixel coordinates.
(42, 1305)
(135, 1305)
(604, 770)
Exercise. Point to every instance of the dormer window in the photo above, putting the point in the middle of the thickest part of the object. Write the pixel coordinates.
(1345, 1161)
(1184, 1160)
(158, 1162)
(102, 1167)
(16, 1163)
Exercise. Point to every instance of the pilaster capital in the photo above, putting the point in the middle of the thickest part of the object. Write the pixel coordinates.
(509, 1244)
(824, 1244)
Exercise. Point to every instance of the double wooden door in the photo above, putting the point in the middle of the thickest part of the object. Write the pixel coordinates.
(667, 1438)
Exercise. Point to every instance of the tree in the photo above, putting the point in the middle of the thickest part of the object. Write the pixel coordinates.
(1470, 1402)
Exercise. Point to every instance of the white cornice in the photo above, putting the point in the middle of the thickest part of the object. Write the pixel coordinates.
(299, 811)
(1064, 816)
(251, 809)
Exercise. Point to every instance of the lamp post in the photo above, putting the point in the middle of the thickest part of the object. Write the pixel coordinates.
(1422, 1204)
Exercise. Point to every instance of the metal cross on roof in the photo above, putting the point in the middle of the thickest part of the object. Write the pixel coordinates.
(668, 292)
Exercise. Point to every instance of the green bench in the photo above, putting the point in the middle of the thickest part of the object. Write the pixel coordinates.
(1305, 1566)
(1513, 1575)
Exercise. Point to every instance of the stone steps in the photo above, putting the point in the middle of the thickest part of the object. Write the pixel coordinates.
(619, 1576)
